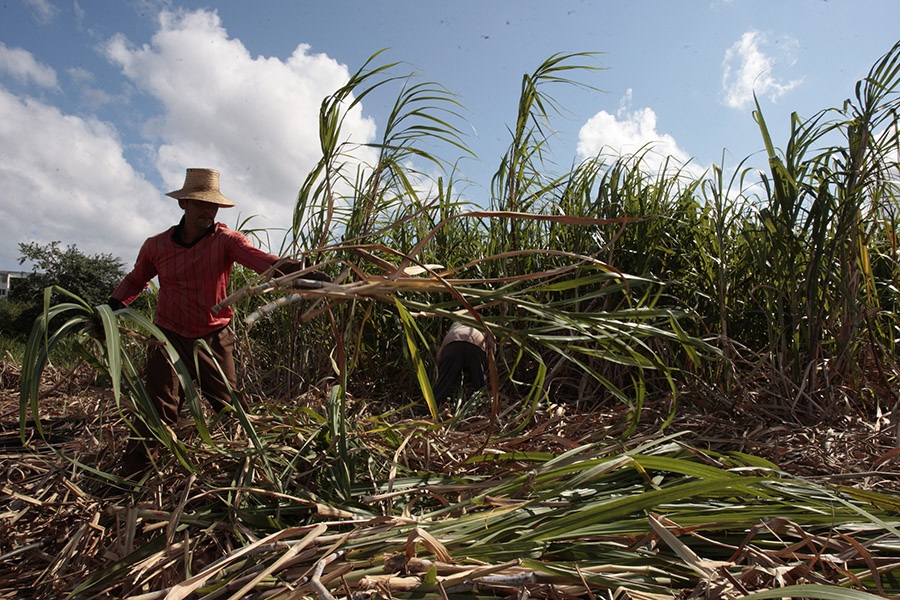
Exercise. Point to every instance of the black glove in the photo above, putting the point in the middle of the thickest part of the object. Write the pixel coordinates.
(317, 276)
(288, 266)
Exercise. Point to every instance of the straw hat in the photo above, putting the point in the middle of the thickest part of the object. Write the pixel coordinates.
(203, 185)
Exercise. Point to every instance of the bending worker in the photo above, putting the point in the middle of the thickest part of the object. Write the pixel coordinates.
(462, 357)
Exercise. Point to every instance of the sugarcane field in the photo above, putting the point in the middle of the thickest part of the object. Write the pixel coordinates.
(663, 384)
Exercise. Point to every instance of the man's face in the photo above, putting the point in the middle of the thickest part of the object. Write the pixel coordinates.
(199, 214)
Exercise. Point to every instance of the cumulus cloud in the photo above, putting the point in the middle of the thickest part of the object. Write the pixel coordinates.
(22, 66)
(67, 176)
(627, 132)
(91, 95)
(65, 179)
(749, 68)
(253, 118)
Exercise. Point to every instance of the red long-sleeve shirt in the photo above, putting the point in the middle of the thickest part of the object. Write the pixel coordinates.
(192, 278)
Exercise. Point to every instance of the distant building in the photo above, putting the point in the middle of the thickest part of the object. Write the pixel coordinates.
(6, 278)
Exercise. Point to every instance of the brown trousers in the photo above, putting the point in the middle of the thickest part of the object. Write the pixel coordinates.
(162, 380)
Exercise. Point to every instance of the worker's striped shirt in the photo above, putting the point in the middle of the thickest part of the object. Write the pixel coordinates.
(192, 278)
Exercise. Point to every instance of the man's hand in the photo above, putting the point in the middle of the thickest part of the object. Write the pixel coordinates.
(316, 276)
(288, 266)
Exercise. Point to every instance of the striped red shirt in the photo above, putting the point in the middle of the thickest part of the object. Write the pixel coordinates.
(192, 278)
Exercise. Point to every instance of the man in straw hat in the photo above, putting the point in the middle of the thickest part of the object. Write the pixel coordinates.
(192, 261)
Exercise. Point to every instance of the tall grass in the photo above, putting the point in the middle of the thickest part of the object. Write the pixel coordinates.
(825, 197)
(604, 284)
(609, 283)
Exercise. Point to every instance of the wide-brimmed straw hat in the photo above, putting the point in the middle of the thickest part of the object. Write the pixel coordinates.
(203, 185)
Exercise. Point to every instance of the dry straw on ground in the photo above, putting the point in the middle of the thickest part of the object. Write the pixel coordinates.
(60, 526)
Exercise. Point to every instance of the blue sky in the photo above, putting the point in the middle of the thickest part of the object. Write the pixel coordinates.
(103, 104)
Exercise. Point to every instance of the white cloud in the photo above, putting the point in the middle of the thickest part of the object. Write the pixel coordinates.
(22, 66)
(91, 95)
(65, 179)
(748, 68)
(254, 119)
(631, 131)
(43, 10)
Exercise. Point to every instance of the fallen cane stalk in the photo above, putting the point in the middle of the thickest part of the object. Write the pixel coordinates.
(316, 582)
(510, 580)
(379, 289)
(256, 290)
(478, 573)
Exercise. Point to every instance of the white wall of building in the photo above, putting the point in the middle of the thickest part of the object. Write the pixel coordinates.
(6, 278)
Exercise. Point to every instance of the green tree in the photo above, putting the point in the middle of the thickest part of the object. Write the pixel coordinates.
(92, 277)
